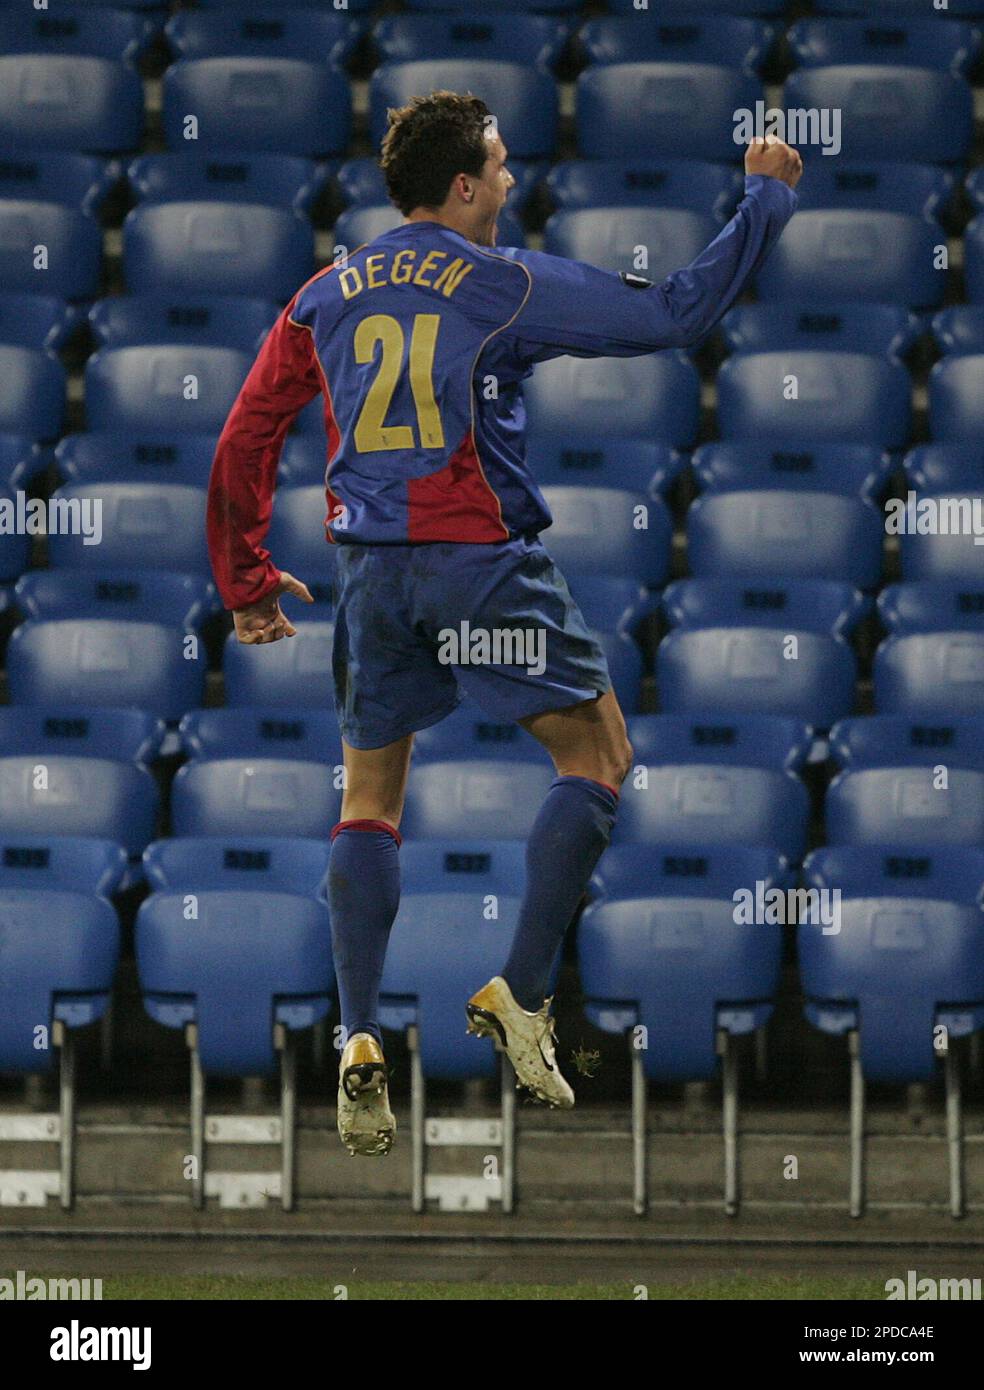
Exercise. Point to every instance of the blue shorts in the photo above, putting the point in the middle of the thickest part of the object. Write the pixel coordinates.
(416, 626)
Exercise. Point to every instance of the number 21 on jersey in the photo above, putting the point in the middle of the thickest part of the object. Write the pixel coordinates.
(372, 434)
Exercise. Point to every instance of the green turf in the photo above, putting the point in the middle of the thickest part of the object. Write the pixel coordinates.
(150, 1286)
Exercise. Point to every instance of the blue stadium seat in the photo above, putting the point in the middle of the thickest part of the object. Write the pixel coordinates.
(676, 38)
(713, 7)
(38, 321)
(255, 796)
(959, 329)
(113, 456)
(217, 248)
(523, 98)
(939, 467)
(655, 396)
(856, 470)
(81, 863)
(128, 735)
(533, 40)
(607, 530)
(812, 535)
(32, 402)
(652, 242)
(354, 6)
(297, 538)
(931, 606)
(74, 249)
(542, 6)
(611, 604)
(364, 222)
(80, 104)
(898, 740)
(105, 662)
(449, 866)
(89, 796)
(752, 740)
(938, 673)
(108, 33)
(264, 31)
(272, 105)
(956, 407)
(77, 180)
(925, 190)
(156, 525)
(635, 871)
(251, 960)
(956, 551)
(905, 806)
(796, 326)
(474, 799)
(580, 460)
(469, 733)
(228, 176)
(274, 732)
(15, 546)
(879, 257)
(818, 605)
(20, 460)
(238, 863)
(143, 389)
(895, 9)
(128, 320)
(843, 397)
(920, 43)
(916, 113)
(138, 595)
(296, 671)
(675, 183)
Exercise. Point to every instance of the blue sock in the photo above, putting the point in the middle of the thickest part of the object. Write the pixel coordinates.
(363, 896)
(573, 828)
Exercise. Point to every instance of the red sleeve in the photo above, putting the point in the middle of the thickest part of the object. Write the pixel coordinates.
(282, 380)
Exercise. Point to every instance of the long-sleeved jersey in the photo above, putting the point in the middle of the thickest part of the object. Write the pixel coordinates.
(401, 339)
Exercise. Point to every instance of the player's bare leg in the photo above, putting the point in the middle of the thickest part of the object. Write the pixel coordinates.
(363, 895)
(591, 752)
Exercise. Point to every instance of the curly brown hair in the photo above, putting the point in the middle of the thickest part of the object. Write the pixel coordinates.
(428, 142)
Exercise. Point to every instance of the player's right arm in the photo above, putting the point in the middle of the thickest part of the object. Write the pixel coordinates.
(577, 309)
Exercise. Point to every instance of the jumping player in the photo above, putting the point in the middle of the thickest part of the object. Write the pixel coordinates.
(437, 519)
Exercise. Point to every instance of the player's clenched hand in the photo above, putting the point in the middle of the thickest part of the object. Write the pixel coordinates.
(264, 621)
(773, 157)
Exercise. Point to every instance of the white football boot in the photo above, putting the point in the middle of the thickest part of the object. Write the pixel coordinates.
(528, 1040)
(365, 1122)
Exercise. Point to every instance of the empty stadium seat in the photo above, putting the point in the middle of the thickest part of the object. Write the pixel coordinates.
(739, 7)
(956, 407)
(15, 546)
(127, 320)
(906, 806)
(654, 396)
(885, 185)
(937, 467)
(816, 535)
(449, 866)
(611, 604)
(959, 329)
(897, 740)
(654, 110)
(152, 525)
(81, 863)
(296, 671)
(108, 33)
(953, 547)
(543, 6)
(81, 104)
(523, 98)
(32, 402)
(535, 40)
(842, 397)
(309, 734)
(129, 735)
(474, 799)
(469, 733)
(931, 605)
(162, 388)
(675, 183)
(109, 456)
(276, 105)
(607, 530)
(237, 863)
(676, 38)
(105, 662)
(931, 673)
(751, 740)
(228, 176)
(81, 795)
(38, 321)
(893, 8)
(255, 796)
(20, 460)
(261, 32)
(217, 248)
(73, 243)
(921, 43)
(52, 176)
(838, 326)
(852, 469)
(139, 595)
(585, 460)
(652, 242)
(818, 605)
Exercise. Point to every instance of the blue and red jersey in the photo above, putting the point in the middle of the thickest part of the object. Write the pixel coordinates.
(419, 343)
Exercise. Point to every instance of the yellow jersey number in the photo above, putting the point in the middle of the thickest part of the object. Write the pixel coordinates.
(371, 432)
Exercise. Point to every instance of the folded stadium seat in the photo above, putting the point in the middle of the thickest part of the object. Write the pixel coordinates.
(296, 671)
(128, 735)
(841, 397)
(925, 190)
(214, 320)
(718, 779)
(38, 321)
(609, 530)
(272, 105)
(115, 456)
(228, 176)
(901, 41)
(289, 865)
(523, 98)
(866, 255)
(914, 112)
(74, 249)
(652, 110)
(536, 40)
(255, 796)
(652, 242)
(932, 672)
(855, 470)
(668, 38)
(264, 732)
(795, 326)
(931, 606)
(937, 467)
(32, 402)
(579, 460)
(903, 978)
(469, 733)
(80, 104)
(158, 525)
(258, 32)
(655, 397)
(59, 950)
(770, 646)
(217, 248)
(106, 661)
(138, 595)
(82, 795)
(937, 802)
(956, 406)
(248, 972)
(959, 329)
(15, 546)
(79, 181)
(163, 388)
(106, 33)
(805, 534)
(675, 183)
(362, 223)
(953, 547)
(897, 740)
(665, 963)
(475, 799)
(20, 460)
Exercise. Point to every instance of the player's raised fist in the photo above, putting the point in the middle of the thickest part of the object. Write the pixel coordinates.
(265, 621)
(772, 156)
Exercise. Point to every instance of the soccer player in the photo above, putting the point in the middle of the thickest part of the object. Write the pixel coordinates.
(437, 519)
